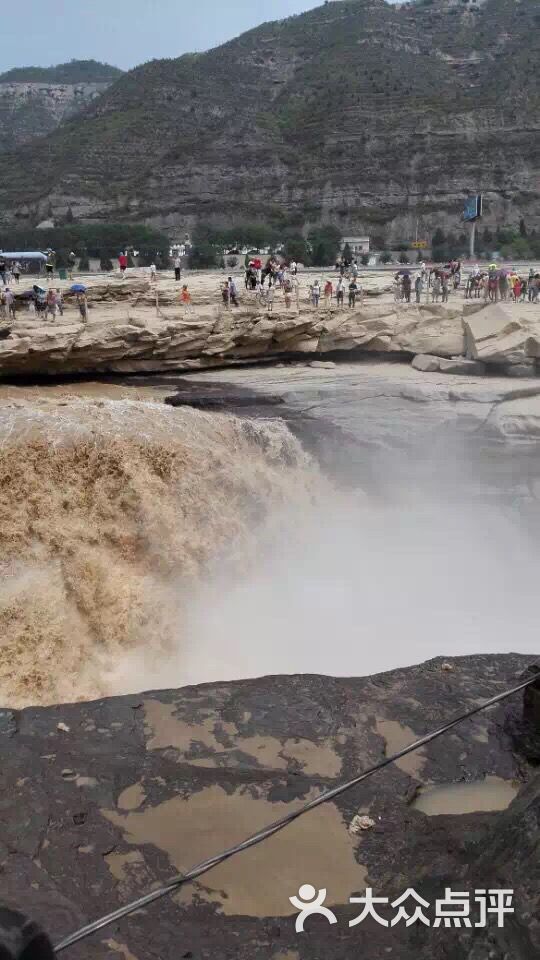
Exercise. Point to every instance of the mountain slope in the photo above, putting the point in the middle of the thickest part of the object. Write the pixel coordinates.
(35, 100)
(367, 114)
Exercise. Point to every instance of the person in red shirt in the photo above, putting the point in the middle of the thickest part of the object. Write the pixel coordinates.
(122, 263)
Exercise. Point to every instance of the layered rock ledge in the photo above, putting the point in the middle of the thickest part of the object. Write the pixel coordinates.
(133, 327)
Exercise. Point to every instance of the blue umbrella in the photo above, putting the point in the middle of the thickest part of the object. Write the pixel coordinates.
(78, 288)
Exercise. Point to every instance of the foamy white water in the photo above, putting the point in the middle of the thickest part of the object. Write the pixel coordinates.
(359, 590)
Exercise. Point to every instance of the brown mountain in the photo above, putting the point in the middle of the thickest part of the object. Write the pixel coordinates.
(373, 116)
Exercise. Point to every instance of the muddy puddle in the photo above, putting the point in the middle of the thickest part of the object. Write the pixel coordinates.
(480, 796)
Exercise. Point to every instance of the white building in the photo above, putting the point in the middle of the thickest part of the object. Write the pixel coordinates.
(357, 245)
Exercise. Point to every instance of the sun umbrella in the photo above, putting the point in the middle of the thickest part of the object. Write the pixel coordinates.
(78, 288)
(38, 289)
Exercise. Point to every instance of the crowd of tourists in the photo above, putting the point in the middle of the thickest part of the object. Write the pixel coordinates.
(436, 283)
(500, 283)
(278, 280)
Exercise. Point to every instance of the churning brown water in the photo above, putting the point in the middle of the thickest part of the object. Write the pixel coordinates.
(144, 547)
(110, 512)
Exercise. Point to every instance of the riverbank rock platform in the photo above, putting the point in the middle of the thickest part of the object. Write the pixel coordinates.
(104, 800)
(135, 327)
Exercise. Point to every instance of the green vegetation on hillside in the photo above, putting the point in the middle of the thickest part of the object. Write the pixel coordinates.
(76, 71)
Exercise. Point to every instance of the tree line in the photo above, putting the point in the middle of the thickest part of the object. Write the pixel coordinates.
(93, 240)
(319, 248)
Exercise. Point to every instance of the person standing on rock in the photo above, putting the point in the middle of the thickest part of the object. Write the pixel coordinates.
(418, 288)
(294, 267)
(185, 299)
(72, 262)
(340, 292)
(287, 292)
(49, 267)
(316, 294)
(50, 309)
(270, 298)
(445, 287)
(503, 284)
(83, 307)
(353, 290)
(17, 271)
(328, 291)
(436, 288)
(177, 269)
(407, 286)
(233, 294)
(122, 263)
(3, 269)
(60, 301)
(295, 287)
(9, 300)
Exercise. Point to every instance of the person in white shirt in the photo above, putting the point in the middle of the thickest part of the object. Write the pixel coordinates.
(9, 300)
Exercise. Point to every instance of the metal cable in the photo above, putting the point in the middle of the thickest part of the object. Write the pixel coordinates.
(278, 825)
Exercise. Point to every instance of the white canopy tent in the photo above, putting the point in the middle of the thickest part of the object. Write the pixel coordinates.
(33, 255)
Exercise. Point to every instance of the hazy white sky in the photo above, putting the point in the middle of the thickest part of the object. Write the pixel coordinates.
(128, 32)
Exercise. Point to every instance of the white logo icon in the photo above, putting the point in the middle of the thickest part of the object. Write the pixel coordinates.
(310, 901)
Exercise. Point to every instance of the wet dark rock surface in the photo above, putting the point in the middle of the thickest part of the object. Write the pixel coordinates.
(102, 800)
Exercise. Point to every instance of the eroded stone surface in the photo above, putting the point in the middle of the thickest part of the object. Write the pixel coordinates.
(70, 854)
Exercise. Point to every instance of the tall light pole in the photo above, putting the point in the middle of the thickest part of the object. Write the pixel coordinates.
(472, 239)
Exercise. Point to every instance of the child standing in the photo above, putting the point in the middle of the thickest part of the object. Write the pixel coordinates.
(51, 304)
(185, 298)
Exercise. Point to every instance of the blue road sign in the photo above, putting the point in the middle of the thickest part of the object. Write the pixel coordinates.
(472, 209)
